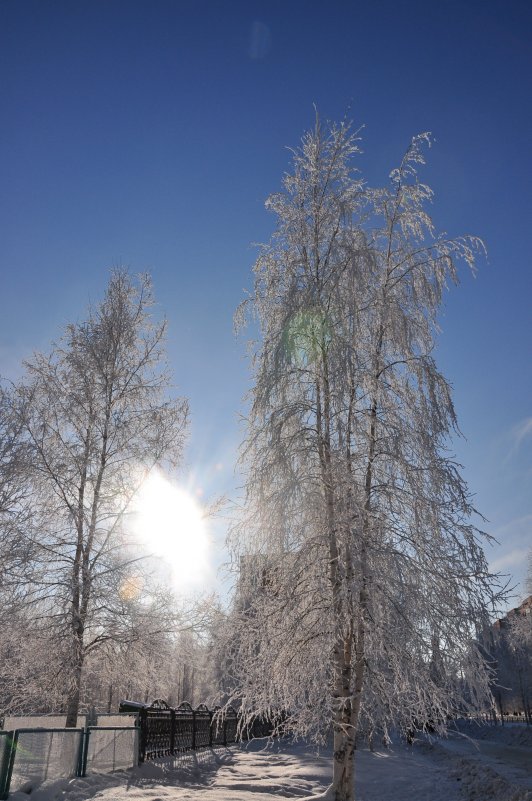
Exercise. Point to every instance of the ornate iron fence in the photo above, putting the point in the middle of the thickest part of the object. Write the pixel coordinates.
(165, 731)
(202, 727)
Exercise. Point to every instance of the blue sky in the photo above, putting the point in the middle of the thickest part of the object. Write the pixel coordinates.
(150, 133)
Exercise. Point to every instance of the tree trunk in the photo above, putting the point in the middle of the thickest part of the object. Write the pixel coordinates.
(501, 708)
(341, 655)
(344, 757)
(74, 690)
(76, 670)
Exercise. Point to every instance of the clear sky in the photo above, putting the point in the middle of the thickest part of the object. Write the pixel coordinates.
(150, 133)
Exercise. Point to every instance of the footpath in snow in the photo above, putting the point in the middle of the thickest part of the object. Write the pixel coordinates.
(255, 772)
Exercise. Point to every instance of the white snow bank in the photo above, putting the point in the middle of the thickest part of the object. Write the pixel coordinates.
(482, 776)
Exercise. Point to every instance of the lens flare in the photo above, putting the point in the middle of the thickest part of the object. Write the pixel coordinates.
(131, 588)
(307, 332)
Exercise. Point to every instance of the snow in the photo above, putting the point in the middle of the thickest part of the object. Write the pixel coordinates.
(450, 770)
(505, 751)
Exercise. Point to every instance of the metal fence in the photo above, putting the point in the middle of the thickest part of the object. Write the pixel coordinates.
(110, 748)
(165, 731)
(5, 756)
(495, 719)
(42, 754)
(31, 756)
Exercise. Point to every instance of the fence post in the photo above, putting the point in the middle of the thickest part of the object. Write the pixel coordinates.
(173, 724)
(83, 751)
(143, 735)
(8, 762)
(210, 727)
(193, 729)
(4, 767)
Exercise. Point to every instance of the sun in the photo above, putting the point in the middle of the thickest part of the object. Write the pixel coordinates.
(169, 523)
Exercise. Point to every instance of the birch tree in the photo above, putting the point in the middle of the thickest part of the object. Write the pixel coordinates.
(96, 416)
(369, 574)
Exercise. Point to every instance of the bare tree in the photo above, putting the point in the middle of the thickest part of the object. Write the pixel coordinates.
(96, 416)
(372, 575)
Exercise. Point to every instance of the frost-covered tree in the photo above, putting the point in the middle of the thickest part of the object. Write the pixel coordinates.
(368, 575)
(519, 643)
(95, 416)
(15, 551)
(154, 664)
(508, 644)
(32, 677)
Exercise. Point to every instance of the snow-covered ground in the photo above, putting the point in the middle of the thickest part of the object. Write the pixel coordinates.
(454, 770)
(510, 759)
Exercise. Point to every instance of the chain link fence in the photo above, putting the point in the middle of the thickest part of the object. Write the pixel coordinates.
(43, 754)
(110, 748)
(30, 757)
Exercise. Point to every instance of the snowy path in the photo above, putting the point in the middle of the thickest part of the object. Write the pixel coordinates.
(513, 762)
(253, 774)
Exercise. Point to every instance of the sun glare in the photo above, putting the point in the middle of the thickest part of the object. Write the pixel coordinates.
(169, 522)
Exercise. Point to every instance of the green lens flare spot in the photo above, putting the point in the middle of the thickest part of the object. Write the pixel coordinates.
(307, 334)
